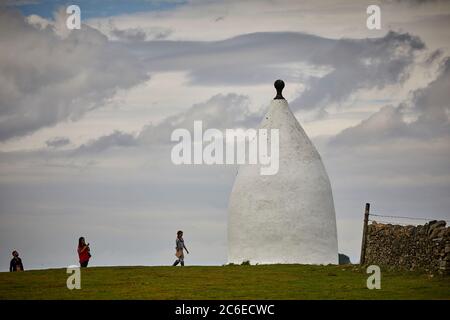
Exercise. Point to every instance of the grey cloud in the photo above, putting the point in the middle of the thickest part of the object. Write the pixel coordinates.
(115, 139)
(382, 125)
(430, 104)
(246, 59)
(62, 79)
(360, 64)
(45, 79)
(130, 34)
(435, 55)
(135, 34)
(158, 33)
(259, 57)
(220, 111)
(57, 142)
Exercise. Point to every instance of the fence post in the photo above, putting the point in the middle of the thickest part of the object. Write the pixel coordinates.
(362, 259)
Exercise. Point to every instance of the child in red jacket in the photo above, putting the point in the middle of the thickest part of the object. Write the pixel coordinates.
(83, 252)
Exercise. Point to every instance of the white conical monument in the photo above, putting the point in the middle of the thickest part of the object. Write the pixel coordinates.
(288, 217)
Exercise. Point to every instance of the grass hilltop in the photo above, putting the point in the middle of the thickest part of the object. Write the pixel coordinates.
(223, 282)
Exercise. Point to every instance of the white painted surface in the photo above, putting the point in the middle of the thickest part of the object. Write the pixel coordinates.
(288, 217)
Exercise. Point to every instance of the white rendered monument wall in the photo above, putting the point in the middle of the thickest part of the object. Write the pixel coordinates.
(288, 217)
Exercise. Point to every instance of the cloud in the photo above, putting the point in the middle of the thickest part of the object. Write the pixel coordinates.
(115, 139)
(130, 34)
(259, 58)
(46, 79)
(221, 111)
(432, 102)
(382, 125)
(57, 142)
(429, 105)
(360, 64)
(65, 76)
(139, 34)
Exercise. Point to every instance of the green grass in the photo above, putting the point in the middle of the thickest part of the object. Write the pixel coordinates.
(226, 282)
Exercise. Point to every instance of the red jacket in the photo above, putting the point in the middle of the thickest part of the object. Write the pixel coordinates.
(84, 255)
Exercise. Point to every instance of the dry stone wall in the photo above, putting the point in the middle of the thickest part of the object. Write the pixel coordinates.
(423, 247)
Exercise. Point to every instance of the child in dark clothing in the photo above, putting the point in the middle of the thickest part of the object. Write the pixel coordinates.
(16, 263)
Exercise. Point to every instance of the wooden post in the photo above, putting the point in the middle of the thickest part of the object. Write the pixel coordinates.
(362, 259)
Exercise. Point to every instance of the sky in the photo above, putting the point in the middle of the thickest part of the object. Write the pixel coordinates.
(86, 117)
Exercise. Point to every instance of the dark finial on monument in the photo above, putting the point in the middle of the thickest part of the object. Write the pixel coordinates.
(279, 85)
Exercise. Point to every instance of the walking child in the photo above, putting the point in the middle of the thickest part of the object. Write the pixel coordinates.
(179, 249)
